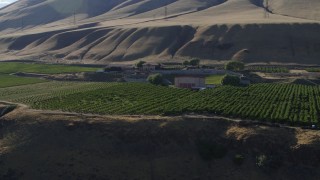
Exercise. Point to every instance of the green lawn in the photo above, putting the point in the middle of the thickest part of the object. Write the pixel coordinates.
(214, 79)
(9, 81)
(13, 67)
(313, 69)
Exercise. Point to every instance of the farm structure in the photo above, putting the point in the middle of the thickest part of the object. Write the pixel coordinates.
(150, 66)
(193, 78)
(190, 81)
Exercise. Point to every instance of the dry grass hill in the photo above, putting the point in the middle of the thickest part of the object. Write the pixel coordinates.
(95, 31)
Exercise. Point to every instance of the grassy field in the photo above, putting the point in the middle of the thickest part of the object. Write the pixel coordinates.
(282, 103)
(313, 69)
(8, 80)
(7, 68)
(13, 67)
(214, 79)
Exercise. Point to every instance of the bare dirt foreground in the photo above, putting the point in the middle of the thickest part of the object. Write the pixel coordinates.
(52, 145)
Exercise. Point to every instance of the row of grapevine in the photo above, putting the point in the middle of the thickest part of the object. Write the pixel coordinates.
(35, 93)
(124, 98)
(282, 103)
(269, 69)
(294, 104)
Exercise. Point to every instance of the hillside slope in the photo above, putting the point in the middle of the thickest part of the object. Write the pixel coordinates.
(125, 30)
(69, 146)
(308, 9)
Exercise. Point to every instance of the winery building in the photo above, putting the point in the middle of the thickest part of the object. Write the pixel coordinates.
(190, 81)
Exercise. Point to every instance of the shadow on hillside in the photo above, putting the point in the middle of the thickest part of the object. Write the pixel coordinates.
(148, 149)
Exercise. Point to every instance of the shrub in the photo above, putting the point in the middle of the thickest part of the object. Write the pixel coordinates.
(238, 159)
(261, 160)
(274, 161)
(230, 80)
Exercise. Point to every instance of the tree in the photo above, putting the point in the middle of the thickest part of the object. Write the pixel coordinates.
(186, 63)
(140, 63)
(231, 80)
(234, 66)
(194, 62)
(156, 79)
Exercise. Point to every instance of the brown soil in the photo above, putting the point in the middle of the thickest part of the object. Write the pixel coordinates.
(52, 145)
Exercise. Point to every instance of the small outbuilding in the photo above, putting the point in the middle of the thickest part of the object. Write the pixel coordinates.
(150, 66)
(190, 81)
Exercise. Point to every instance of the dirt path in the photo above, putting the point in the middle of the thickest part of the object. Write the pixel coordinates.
(311, 82)
(23, 108)
(12, 103)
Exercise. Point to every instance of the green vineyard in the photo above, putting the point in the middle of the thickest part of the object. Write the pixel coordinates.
(281, 103)
(270, 69)
(36, 93)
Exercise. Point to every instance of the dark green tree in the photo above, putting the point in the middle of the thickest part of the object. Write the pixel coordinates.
(156, 79)
(186, 63)
(194, 62)
(230, 80)
(234, 66)
(140, 63)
